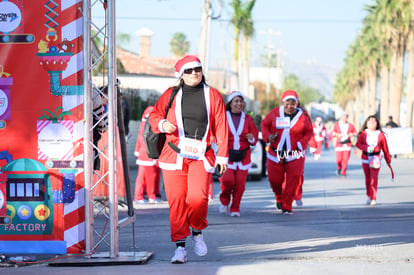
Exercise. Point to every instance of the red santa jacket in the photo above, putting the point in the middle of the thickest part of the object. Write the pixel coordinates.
(217, 129)
(342, 132)
(376, 139)
(239, 141)
(140, 150)
(296, 134)
(319, 131)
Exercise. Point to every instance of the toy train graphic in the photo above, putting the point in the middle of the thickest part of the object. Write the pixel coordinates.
(26, 198)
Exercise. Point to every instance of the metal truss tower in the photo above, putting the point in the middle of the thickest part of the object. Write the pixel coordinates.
(108, 233)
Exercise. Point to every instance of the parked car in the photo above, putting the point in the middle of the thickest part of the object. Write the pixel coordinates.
(258, 158)
(255, 172)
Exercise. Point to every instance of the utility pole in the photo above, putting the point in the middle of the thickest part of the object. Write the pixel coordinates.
(205, 35)
(206, 17)
(269, 46)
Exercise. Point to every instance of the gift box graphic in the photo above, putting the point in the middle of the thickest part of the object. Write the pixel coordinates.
(5, 84)
(55, 136)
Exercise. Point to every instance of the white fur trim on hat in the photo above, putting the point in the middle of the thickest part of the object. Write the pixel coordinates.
(233, 95)
(289, 94)
(187, 62)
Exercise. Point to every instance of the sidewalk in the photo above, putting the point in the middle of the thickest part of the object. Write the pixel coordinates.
(334, 232)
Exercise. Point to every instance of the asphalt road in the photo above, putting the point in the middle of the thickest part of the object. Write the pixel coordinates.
(334, 232)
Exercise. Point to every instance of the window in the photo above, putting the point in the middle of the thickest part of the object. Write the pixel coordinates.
(27, 189)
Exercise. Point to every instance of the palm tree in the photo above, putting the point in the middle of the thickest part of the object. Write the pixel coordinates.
(247, 30)
(179, 44)
(242, 23)
(410, 72)
(393, 19)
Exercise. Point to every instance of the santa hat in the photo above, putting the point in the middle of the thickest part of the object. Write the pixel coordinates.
(290, 94)
(187, 62)
(146, 113)
(233, 95)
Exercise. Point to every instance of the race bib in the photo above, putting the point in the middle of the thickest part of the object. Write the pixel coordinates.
(192, 148)
(282, 123)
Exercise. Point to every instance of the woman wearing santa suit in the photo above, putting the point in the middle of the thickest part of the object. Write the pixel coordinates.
(343, 132)
(196, 118)
(288, 129)
(148, 178)
(319, 133)
(243, 133)
(371, 140)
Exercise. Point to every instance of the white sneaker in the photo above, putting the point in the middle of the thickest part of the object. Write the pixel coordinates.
(373, 202)
(235, 214)
(299, 202)
(200, 247)
(152, 201)
(368, 201)
(223, 209)
(139, 203)
(180, 256)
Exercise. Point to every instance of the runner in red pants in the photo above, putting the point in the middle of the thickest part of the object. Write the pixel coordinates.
(288, 129)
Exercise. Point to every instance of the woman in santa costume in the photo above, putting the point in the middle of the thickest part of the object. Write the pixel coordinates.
(243, 134)
(371, 140)
(342, 133)
(148, 178)
(288, 129)
(196, 118)
(319, 133)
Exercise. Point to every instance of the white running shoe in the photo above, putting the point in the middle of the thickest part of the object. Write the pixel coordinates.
(373, 202)
(235, 214)
(200, 247)
(368, 201)
(223, 209)
(152, 201)
(299, 202)
(180, 256)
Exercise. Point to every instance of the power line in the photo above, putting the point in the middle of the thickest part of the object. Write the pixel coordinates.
(282, 20)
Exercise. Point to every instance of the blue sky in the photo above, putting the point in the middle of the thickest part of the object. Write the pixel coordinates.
(319, 30)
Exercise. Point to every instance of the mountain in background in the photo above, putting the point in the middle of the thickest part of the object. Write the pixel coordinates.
(318, 76)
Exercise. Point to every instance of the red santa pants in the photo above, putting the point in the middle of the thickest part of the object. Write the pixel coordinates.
(148, 179)
(299, 190)
(371, 180)
(290, 171)
(187, 194)
(318, 147)
(342, 158)
(233, 184)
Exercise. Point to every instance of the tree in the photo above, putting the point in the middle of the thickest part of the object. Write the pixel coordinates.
(305, 93)
(243, 23)
(179, 44)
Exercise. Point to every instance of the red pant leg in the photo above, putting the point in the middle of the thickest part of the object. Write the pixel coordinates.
(227, 182)
(276, 176)
(366, 169)
(371, 180)
(339, 156)
(294, 171)
(187, 195)
(140, 184)
(299, 191)
(238, 189)
(152, 179)
(345, 160)
(318, 148)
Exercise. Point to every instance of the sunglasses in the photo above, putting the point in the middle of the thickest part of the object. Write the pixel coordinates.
(190, 71)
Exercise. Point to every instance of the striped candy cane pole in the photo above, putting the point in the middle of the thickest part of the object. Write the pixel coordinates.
(74, 213)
